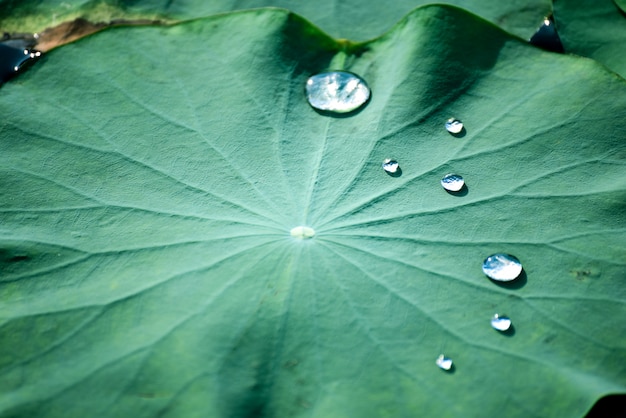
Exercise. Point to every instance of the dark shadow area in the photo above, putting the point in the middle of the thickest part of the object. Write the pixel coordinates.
(460, 134)
(14, 60)
(610, 406)
(9, 59)
(18, 258)
(547, 38)
(398, 172)
(452, 369)
(513, 284)
(463, 192)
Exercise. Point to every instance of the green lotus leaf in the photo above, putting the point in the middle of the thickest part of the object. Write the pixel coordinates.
(151, 177)
(35, 16)
(595, 29)
(352, 19)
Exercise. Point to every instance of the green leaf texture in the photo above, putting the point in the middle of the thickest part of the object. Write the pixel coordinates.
(595, 29)
(151, 176)
(353, 19)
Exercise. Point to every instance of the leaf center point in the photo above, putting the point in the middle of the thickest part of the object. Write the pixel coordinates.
(302, 232)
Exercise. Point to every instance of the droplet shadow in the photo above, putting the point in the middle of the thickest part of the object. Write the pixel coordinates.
(459, 193)
(397, 173)
(514, 284)
(451, 370)
(509, 332)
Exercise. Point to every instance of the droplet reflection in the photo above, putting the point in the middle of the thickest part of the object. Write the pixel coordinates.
(501, 322)
(390, 166)
(452, 182)
(502, 267)
(454, 126)
(337, 92)
(443, 362)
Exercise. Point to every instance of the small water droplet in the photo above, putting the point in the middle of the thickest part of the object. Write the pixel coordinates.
(454, 126)
(444, 362)
(13, 59)
(452, 182)
(302, 232)
(501, 322)
(390, 166)
(337, 91)
(502, 267)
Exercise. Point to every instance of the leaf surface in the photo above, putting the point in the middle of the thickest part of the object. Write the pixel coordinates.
(595, 29)
(357, 20)
(151, 176)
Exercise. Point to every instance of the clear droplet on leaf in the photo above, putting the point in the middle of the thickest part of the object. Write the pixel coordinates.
(390, 166)
(337, 91)
(502, 267)
(500, 322)
(452, 182)
(454, 126)
(302, 232)
(444, 362)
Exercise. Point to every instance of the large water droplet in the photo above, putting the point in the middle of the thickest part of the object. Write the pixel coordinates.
(501, 322)
(444, 362)
(452, 182)
(302, 232)
(454, 126)
(390, 166)
(337, 91)
(502, 267)
(13, 59)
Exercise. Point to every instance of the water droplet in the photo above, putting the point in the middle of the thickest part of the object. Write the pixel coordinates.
(501, 322)
(444, 362)
(502, 267)
(302, 232)
(452, 182)
(337, 91)
(13, 59)
(454, 126)
(390, 166)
